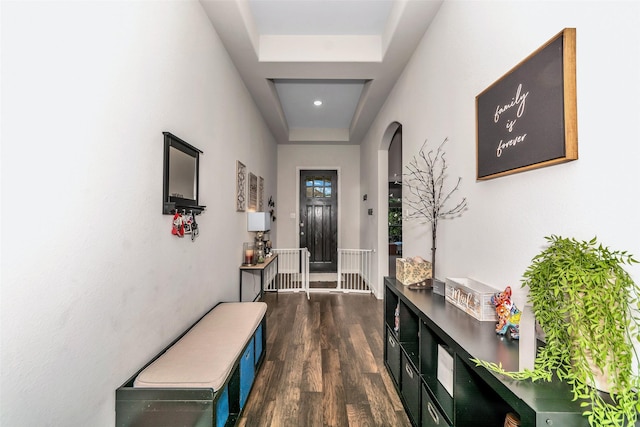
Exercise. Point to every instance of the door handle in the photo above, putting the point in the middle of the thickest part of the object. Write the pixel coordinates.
(409, 370)
(433, 413)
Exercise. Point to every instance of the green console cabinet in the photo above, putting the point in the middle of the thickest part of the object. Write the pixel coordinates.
(429, 344)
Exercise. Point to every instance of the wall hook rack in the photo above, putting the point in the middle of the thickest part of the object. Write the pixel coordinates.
(192, 211)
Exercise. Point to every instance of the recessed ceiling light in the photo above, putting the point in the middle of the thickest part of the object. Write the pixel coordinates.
(317, 103)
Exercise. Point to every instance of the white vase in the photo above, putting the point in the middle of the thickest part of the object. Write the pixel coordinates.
(528, 340)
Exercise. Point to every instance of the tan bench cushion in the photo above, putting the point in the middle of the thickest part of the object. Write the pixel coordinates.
(204, 357)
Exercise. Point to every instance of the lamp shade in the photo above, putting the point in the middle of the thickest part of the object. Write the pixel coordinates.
(258, 221)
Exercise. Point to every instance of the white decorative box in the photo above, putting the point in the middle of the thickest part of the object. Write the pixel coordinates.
(472, 297)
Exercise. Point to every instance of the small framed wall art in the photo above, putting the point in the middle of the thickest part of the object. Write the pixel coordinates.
(253, 192)
(528, 118)
(241, 183)
(260, 194)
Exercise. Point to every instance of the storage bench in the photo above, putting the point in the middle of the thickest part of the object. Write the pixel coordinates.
(204, 377)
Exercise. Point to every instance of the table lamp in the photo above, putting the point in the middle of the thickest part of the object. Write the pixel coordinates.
(259, 222)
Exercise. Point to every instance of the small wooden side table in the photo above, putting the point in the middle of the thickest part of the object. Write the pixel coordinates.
(262, 268)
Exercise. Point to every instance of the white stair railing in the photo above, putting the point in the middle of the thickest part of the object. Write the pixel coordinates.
(293, 271)
(354, 270)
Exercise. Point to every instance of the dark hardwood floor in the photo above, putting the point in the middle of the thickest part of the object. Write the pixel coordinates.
(323, 365)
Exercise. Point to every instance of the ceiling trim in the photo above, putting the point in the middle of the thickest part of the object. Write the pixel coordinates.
(320, 49)
(377, 59)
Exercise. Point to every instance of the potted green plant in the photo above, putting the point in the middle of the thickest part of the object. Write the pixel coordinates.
(586, 305)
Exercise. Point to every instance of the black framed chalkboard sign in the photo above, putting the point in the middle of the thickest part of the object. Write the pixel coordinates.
(528, 118)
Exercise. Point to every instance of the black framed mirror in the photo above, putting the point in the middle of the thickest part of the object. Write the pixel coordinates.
(181, 176)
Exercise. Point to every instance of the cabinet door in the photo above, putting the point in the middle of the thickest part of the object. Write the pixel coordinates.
(393, 356)
(431, 417)
(247, 371)
(410, 388)
(222, 408)
(257, 339)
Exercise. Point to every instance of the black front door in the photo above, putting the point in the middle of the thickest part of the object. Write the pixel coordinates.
(319, 218)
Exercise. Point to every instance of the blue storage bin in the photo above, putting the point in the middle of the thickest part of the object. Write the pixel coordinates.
(222, 408)
(247, 371)
(258, 343)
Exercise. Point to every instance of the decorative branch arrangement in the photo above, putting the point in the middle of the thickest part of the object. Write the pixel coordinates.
(427, 197)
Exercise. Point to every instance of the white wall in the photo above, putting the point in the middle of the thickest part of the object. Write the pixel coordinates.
(469, 46)
(344, 158)
(93, 283)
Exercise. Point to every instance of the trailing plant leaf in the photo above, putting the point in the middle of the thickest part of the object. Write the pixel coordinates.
(586, 304)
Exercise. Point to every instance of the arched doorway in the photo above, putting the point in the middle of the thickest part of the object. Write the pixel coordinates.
(394, 164)
(384, 176)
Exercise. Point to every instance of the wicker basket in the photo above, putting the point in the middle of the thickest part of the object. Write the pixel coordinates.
(511, 420)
